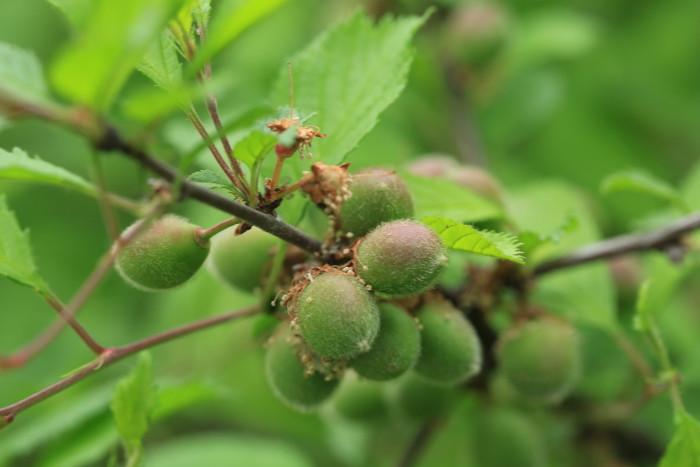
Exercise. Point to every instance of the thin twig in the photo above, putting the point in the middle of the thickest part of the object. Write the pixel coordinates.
(67, 313)
(418, 444)
(192, 116)
(113, 355)
(206, 234)
(616, 246)
(111, 140)
(110, 220)
(68, 316)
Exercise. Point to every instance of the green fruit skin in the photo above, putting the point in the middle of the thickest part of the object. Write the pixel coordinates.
(421, 399)
(450, 348)
(337, 317)
(242, 260)
(165, 255)
(377, 196)
(361, 401)
(285, 374)
(396, 348)
(499, 427)
(400, 258)
(541, 359)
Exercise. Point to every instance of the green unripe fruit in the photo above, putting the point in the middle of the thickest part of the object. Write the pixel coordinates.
(242, 260)
(541, 359)
(396, 348)
(422, 399)
(288, 378)
(163, 256)
(337, 317)
(400, 258)
(450, 348)
(497, 428)
(477, 33)
(377, 196)
(361, 401)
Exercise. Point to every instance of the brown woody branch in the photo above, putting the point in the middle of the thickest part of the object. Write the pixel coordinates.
(113, 141)
(665, 239)
(115, 354)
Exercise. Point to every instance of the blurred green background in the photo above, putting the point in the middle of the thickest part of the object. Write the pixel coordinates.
(571, 90)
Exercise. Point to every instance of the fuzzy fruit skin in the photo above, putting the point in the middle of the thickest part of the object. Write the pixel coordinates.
(337, 317)
(396, 348)
(421, 399)
(450, 348)
(361, 401)
(377, 196)
(541, 359)
(242, 260)
(164, 256)
(497, 427)
(285, 374)
(400, 258)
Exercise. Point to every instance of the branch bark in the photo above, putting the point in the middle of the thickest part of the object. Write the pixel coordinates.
(654, 240)
(113, 355)
(113, 141)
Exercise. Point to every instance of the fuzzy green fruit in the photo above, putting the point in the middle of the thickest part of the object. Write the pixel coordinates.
(396, 348)
(450, 348)
(361, 401)
(400, 258)
(497, 427)
(337, 317)
(165, 255)
(377, 196)
(541, 359)
(422, 399)
(286, 375)
(242, 260)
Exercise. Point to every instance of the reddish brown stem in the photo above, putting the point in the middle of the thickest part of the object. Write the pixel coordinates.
(215, 152)
(113, 355)
(67, 313)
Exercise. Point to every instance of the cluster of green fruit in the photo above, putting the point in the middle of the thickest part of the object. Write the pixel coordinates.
(374, 315)
(351, 317)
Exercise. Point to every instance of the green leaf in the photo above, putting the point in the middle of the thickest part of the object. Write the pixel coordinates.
(254, 146)
(637, 181)
(160, 63)
(691, 188)
(133, 402)
(21, 76)
(17, 165)
(684, 450)
(544, 208)
(348, 76)
(232, 18)
(214, 181)
(16, 260)
(656, 292)
(86, 445)
(435, 197)
(223, 450)
(77, 11)
(466, 238)
(116, 35)
(54, 421)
